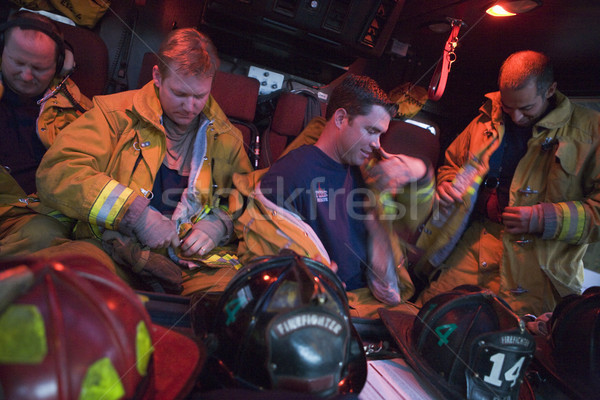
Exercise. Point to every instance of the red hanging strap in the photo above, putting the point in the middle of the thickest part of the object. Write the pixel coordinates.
(440, 76)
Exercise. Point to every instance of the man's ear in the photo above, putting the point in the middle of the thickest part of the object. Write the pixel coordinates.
(338, 116)
(551, 90)
(156, 76)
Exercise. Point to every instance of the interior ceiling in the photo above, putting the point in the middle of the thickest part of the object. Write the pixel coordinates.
(567, 31)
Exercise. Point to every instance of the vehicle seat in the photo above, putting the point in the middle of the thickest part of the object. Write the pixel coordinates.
(404, 138)
(237, 95)
(91, 58)
(292, 112)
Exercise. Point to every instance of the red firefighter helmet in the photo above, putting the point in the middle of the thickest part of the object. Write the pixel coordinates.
(79, 332)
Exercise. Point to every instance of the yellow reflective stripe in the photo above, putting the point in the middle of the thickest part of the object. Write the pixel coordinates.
(426, 192)
(61, 217)
(203, 213)
(109, 203)
(22, 335)
(143, 348)
(474, 187)
(102, 381)
(580, 220)
(564, 229)
(573, 221)
(96, 231)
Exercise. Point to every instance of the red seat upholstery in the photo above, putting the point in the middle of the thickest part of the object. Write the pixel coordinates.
(237, 95)
(291, 114)
(412, 140)
(91, 58)
(148, 62)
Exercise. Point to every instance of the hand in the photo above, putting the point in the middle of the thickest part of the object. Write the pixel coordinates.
(395, 171)
(197, 242)
(447, 196)
(155, 230)
(205, 235)
(525, 219)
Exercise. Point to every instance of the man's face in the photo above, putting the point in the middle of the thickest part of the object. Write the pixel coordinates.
(182, 96)
(525, 106)
(359, 137)
(28, 61)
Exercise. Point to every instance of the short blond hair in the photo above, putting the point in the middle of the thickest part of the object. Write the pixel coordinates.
(189, 52)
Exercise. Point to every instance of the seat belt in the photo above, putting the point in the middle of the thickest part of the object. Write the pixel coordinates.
(440, 76)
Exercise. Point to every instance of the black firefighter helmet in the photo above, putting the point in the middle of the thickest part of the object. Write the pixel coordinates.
(467, 343)
(571, 351)
(283, 324)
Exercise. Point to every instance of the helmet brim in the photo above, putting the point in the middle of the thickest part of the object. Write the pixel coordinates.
(177, 362)
(399, 324)
(570, 383)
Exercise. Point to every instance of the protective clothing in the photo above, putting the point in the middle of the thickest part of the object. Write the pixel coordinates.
(560, 171)
(265, 228)
(111, 155)
(22, 216)
(55, 114)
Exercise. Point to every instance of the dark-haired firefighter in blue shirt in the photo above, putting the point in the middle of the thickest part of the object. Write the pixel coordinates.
(342, 200)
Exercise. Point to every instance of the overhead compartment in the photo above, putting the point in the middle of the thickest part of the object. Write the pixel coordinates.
(307, 33)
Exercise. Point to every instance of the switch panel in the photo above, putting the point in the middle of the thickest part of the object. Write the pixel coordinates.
(269, 81)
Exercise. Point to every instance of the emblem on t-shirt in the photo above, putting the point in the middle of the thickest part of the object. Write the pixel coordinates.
(321, 195)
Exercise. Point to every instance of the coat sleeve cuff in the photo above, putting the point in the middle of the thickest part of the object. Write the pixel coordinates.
(132, 215)
(564, 221)
(227, 221)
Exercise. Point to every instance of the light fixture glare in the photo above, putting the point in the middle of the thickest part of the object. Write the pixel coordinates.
(499, 11)
(507, 8)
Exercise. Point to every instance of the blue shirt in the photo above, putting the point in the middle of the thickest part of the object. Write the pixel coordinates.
(167, 190)
(329, 197)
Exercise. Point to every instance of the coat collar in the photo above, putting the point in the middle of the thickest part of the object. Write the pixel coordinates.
(556, 118)
(147, 104)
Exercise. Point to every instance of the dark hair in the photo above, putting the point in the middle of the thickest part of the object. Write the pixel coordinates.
(27, 20)
(357, 95)
(523, 66)
(188, 51)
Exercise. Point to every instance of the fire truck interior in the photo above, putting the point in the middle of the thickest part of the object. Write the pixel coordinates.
(280, 60)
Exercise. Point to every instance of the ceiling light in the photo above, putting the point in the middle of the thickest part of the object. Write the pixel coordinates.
(499, 11)
(506, 8)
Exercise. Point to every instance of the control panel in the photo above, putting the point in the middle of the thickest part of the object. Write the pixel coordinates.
(269, 81)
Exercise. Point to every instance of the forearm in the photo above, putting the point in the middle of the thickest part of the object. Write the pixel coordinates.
(415, 202)
(72, 178)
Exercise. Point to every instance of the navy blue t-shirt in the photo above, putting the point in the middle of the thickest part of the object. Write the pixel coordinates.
(330, 198)
(167, 190)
